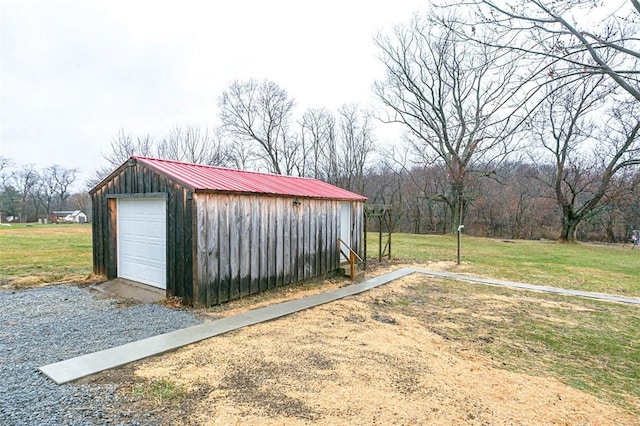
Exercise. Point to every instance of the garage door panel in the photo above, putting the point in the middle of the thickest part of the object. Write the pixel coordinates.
(142, 240)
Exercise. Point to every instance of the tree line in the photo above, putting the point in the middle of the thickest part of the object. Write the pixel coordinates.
(520, 119)
(28, 194)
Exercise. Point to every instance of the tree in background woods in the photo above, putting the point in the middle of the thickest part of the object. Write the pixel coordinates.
(25, 181)
(261, 113)
(183, 143)
(563, 34)
(193, 144)
(587, 148)
(586, 67)
(412, 190)
(53, 187)
(355, 145)
(29, 194)
(336, 149)
(318, 139)
(454, 98)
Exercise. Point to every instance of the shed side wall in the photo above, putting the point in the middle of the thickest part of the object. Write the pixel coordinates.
(251, 243)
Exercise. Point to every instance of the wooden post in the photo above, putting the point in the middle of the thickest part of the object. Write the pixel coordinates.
(380, 239)
(459, 243)
(389, 230)
(366, 225)
(388, 220)
(460, 226)
(352, 262)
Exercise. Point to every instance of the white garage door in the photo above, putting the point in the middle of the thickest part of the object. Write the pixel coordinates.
(142, 234)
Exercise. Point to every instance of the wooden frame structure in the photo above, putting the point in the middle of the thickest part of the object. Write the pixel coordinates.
(383, 213)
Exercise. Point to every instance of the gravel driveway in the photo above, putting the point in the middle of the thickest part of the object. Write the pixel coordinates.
(49, 324)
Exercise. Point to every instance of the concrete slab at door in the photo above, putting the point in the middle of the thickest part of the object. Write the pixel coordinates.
(142, 235)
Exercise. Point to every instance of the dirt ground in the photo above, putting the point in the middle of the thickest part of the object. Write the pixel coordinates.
(351, 362)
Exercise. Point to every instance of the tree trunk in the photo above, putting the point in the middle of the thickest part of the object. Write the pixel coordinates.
(458, 209)
(570, 223)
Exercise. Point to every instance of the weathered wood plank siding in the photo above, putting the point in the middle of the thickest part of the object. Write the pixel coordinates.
(250, 243)
(136, 180)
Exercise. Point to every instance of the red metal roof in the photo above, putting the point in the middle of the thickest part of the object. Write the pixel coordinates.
(209, 178)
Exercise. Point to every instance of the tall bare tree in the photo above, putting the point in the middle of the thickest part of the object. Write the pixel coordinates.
(588, 149)
(454, 98)
(571, 44)
(63, 178)
(194, 145)
(25, 181)
(183, 143)
(261, 112)
(8, 194)
(318, 145)
(123, 146)
(567, 35)
(52, 188)
(46, 189)
(355, 145)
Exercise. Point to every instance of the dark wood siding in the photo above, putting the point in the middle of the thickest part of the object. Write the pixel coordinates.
(251, 243)
(134, 179)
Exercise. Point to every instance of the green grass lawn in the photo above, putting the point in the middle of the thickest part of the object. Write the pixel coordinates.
(590, 345)
(38, 254)
(589, 267)
(52, 253)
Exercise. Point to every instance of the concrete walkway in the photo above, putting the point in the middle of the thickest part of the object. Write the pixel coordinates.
(512, 284)
(86, 365)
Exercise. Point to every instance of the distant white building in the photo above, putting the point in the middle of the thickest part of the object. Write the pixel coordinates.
(75, 216)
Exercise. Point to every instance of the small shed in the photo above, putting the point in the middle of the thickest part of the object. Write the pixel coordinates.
(70, 216)
(211, 234)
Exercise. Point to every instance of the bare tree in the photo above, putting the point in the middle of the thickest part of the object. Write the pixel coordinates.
(63, 178)
(551, 31)
(454, 98)
(124, 146)
(98, 176)
(183, 143)
(194, 145)
(46, 189)
(25, 181)
(9, 196)
(318, 145)
(587, 149)
(570, 44)
(53, 186)
(242, 156)
(260, 112)
(354, 147)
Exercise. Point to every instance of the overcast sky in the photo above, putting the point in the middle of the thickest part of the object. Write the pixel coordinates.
(74, 72)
